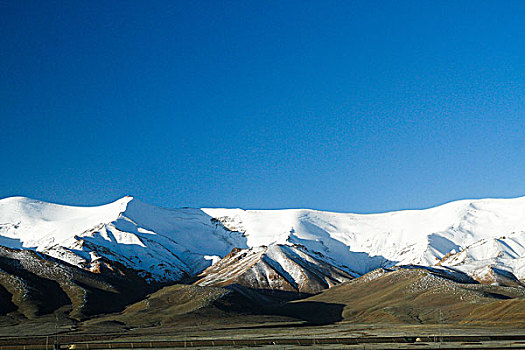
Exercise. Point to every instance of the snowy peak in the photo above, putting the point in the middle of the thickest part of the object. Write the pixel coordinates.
(164, 244)
(172, 244)
(28, 223)
(365, 242)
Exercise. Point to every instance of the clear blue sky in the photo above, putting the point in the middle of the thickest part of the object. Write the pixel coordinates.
(360, 106)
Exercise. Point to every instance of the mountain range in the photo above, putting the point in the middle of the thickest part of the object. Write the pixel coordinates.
(54, 255)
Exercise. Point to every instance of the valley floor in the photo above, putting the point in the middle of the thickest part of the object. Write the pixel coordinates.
(264, 333)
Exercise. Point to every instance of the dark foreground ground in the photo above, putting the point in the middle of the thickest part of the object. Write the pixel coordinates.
(264, 333)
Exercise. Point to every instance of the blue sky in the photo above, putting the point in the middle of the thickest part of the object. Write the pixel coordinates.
(361, 106)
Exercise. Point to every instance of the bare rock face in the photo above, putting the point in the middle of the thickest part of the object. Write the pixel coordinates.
(495, 276)
(277, 267)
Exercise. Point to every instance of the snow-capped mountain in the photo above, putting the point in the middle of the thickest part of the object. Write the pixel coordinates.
(163, 244)
(466, 235)
(168, 245)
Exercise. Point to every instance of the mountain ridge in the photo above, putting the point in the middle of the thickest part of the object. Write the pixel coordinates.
(174, 244)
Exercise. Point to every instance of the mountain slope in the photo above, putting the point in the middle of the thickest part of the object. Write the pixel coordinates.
(277, 267)
(365, 242)
(34, 284)
(162, 244)
(418, 295)
(170, 245)
(187, 304)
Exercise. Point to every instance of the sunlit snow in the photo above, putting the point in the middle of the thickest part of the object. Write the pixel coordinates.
(468, 235)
